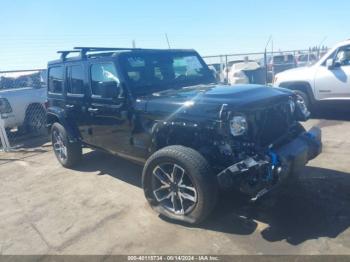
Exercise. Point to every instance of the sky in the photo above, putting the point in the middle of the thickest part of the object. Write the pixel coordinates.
(32, 31)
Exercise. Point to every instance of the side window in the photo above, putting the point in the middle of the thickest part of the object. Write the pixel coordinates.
(76, 80)
(104, 80)
(331, 56)
(56, 80)
(136, 68)
(343, 56)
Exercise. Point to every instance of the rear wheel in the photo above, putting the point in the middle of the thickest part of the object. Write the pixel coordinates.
(178, 184)
(67, 153)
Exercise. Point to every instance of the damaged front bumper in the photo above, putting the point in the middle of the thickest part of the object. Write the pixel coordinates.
(256, 175)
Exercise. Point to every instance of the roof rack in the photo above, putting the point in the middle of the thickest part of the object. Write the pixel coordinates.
(67, 52)
(84, 50)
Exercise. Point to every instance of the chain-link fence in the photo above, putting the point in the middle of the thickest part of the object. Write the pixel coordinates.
(259, 68)
(22, 108)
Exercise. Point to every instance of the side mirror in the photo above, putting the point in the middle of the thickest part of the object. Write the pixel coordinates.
(330, 63)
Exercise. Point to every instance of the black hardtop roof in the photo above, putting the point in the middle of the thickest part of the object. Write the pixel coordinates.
(96, 52)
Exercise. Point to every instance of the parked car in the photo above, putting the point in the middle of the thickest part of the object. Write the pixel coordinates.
(226, 69)
(22, 100)
(277, 64)
(248, 72)
(325, 81)
(164, 109)
(305, 59)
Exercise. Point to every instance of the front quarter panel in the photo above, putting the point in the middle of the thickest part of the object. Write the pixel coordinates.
(303, 74)
(159, 124)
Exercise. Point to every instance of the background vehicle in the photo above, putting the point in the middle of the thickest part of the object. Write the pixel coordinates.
(247, 72)
(22, 100)
(305, 59)
(325, 81)
(277, 64)
(164, 109)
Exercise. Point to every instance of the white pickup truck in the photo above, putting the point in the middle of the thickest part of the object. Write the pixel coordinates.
(24, 107)
(326, 80)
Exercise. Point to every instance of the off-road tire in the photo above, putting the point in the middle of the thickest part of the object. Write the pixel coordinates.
(199, 172)
(74, 149)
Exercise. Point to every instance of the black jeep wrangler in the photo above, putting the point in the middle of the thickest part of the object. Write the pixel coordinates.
(163, 108)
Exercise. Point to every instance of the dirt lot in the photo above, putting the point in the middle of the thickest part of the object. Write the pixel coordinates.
(99, 208)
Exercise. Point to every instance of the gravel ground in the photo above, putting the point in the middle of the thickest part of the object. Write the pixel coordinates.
(99, 208)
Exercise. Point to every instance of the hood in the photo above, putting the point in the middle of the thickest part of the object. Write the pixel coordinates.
(207, 100)
(245, 66)
(296, 74)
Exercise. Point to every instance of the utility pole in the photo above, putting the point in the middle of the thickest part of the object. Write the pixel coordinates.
(319, 46)
(167, 40)
(265, 58)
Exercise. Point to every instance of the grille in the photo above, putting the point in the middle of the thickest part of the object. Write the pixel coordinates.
(272, 123)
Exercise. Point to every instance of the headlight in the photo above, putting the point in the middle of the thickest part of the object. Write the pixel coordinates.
(292, 105)
(5, 106)
(238, 125)
(239, 74)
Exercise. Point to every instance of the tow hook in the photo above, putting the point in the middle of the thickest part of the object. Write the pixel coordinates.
(259, 194)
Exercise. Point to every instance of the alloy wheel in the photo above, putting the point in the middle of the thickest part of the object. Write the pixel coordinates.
(173, 188)
(303, 104)
(59, 145)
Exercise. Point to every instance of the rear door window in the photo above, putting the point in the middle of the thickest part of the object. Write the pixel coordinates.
(76, 80)
(56, 80)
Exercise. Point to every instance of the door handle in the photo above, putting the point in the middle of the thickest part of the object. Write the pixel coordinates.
(92, 110)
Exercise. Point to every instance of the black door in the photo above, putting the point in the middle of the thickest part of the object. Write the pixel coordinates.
(111, 126)
(76, 99)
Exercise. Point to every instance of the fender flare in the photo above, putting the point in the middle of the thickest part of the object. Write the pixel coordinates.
(303, 86)
(54, 116)
(160, 133)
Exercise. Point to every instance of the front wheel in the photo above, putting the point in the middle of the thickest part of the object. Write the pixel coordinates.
(67, 153)
(303, 98)
(179, 185)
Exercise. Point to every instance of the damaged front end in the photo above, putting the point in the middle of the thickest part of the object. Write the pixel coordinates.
(257, 175)
(271, 163)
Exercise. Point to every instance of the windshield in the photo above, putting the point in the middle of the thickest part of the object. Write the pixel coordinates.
(152, 72)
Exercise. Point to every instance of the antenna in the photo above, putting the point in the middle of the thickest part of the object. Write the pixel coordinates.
(324, 39)
(167, 40)
(268, 41)
(265, 58)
